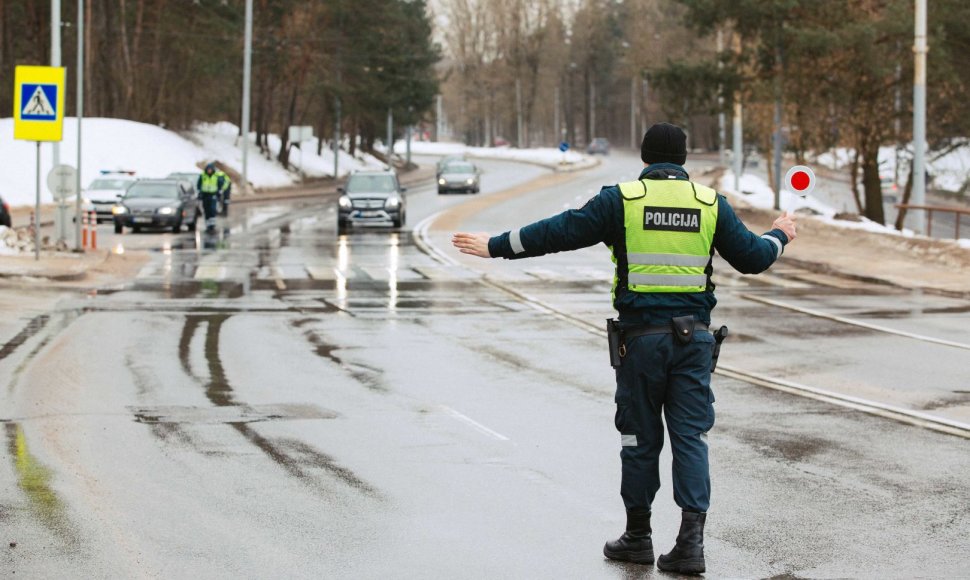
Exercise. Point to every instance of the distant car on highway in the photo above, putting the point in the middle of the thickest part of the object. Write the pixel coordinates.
(460, 176)
(104, 191)
(598, 146)
(4, 213)
(372, 197)
(445, 161)
(158, 203)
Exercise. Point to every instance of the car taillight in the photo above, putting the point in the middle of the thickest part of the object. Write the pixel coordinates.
(6, 207)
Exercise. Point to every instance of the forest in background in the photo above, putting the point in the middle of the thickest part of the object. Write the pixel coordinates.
(175, 62)
(536, 71)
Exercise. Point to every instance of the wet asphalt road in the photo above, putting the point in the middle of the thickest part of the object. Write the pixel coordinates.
(277, 400)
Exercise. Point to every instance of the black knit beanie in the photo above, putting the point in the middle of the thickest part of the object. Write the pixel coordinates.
(664, 143)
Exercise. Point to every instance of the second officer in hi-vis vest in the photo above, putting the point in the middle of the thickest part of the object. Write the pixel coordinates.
(662, 230)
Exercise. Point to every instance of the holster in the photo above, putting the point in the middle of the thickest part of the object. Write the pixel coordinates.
(614, 336)
(719, 335)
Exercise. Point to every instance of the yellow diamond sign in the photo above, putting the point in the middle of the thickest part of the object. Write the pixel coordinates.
(38, 103)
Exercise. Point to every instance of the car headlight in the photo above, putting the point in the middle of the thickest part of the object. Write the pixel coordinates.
(470, 180)
(392, 202)
(345, 202)
(167, 210)
(442, 181)
(118, 210)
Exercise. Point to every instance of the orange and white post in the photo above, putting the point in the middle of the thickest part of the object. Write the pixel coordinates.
(94, 230)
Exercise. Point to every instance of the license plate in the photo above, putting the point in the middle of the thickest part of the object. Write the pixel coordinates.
(142, 220)
(367, 214)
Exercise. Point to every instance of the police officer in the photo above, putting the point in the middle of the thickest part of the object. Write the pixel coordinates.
(213, 184)
(663, 230)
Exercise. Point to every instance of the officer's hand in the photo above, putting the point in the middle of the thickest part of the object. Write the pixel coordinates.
(786, 223)
(474, 244)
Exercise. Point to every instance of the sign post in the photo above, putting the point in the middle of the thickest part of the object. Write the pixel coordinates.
(563, 147)
(38, 112)
(299, 134)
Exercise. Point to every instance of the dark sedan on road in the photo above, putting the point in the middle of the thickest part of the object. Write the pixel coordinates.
(598, 146)
(460, 176)
(158, 203)
(372, 197)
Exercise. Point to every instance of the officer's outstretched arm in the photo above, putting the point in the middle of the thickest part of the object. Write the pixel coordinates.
(474, 244)
(746, 251)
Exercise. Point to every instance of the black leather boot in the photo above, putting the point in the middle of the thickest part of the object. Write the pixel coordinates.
(687, 557)
(635, 544)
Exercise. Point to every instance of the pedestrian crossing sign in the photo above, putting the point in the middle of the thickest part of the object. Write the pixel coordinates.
(39, 103)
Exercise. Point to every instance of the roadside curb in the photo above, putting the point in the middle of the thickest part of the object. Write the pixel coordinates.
(38, 269)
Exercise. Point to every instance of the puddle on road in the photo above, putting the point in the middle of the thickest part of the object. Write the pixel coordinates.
(229, 414)
(35, 480)
(787, 446)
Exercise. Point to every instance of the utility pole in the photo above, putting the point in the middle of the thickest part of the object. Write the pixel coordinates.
(555, 123)
(247, 80)
(777, 137)
(518, 113)
(439, 122)
(592, 111)
(60, 220)
(389, 146)
(738, 144)
(336, 141)
(721, 136)
(80, 116)
(919, 116)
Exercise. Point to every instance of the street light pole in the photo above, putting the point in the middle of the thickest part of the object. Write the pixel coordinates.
(919, 116)
(247, 80)
(60, 220)
(80, 116)
(738, 145)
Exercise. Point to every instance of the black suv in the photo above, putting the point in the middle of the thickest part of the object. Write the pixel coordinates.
(158, 203)
(4, 213)
(372, 197)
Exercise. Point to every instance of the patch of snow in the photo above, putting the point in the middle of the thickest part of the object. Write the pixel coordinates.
(152, 151)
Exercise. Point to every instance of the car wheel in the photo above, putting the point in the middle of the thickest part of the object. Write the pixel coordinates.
(194, 223)
(342, 226)
(440, 191)
(119, 228)
(136, 229)
(177, 228)
(5, 221)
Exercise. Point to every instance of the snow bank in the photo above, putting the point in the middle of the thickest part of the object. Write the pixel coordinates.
(541, 156)
(759, 194)
(221, 141)
(949, 172)
(151, 151)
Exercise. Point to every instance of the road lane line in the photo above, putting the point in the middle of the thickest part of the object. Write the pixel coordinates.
(850, 321)
(473, 424)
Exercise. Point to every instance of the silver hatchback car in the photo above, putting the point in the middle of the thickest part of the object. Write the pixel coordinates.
(372, 197)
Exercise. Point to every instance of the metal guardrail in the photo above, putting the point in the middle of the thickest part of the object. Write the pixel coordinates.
(958, 212)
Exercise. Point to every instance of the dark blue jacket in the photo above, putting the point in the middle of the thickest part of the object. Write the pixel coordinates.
(601, 221)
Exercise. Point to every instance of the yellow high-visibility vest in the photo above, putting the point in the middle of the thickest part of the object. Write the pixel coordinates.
(669, 228)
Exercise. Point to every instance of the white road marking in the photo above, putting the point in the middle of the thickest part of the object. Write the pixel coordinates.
(473, 424)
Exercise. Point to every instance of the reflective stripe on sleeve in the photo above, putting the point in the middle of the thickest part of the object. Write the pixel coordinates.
(667, 280)
(628, 440)
(778, 247)
(667, 260)
(516, 241)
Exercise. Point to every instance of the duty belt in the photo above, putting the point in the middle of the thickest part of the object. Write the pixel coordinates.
(636, 331)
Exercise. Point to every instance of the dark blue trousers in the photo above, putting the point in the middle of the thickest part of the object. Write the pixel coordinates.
(660, 375)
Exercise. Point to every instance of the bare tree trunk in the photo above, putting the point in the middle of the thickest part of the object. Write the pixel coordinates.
(854, 181)
(907, 192)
